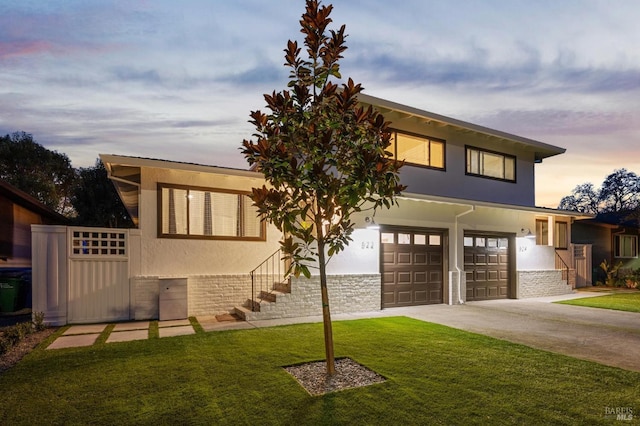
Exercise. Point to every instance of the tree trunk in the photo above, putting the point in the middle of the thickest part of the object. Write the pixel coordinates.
(326, 313)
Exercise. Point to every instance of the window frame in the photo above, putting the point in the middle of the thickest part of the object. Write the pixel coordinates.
(188, 236)
(617, 246)
(428, 139)
(468, 148)
(564, 245)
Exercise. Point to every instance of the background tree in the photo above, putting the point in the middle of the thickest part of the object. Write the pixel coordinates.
(620, 191)
(584, 199)
(96, 200)
(323, 155)
(45, 175)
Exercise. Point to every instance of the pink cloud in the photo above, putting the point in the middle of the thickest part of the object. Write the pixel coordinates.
(23, 48)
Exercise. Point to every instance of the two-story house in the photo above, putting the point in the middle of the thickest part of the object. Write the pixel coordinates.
(466, 229)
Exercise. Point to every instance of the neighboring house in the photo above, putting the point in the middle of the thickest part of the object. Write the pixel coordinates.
(462, 232)
(614, 238)
(18, 211)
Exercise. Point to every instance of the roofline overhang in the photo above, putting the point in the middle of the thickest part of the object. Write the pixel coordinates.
(542, 150)
(468, 203)
(123, 160)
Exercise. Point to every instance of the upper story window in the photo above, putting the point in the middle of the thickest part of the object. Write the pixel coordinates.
(418, 150)
(204, 213)
(626, 246)
(490, 164)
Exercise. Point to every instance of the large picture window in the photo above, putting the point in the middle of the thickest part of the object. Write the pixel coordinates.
(490, 164)
(418, 150)
(206, 213)
(626, 246)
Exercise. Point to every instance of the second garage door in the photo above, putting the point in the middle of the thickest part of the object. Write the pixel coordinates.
(412, 266)
(486, 263)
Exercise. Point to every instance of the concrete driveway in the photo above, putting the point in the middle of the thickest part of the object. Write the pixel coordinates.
(601, 335)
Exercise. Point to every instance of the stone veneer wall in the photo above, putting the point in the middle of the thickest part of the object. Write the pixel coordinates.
(347, 293)
(218, 294)
(206, 294)
(541, 283)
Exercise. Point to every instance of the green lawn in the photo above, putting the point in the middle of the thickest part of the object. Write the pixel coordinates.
(621, 302)
(436, 375)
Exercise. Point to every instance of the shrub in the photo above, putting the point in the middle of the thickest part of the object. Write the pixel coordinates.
(38, 321)
(12, 335)
(611, 272)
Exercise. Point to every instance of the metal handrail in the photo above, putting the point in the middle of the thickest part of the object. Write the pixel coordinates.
(265, 275)
(562, 265)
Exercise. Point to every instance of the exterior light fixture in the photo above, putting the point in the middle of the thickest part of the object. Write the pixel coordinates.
(526, 232)
(371, 224)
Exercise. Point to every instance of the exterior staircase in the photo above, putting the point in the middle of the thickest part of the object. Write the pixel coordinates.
(267, 304)
(270, 291)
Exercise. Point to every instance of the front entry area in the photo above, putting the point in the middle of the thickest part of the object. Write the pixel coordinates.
(412, 262)
(486, 264)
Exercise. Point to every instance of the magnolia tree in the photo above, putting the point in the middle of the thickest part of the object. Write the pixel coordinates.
(323, 155)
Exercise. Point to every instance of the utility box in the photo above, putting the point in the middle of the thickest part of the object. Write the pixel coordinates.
(173, 299)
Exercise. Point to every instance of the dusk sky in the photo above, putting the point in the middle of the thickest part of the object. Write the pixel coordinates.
(176, 80)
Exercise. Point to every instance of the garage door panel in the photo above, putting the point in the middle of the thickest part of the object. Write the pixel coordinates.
(412, 267)
(404, 297)
(492, 259)
(480, 275)
(480, 259)
(420, 277)
(403, 277)
(420, 296)
(492, 275)
(419, 258)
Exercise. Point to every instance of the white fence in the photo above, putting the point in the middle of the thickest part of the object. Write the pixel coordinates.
(80, 275)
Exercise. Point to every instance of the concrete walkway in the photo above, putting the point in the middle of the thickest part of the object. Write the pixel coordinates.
(601, 335)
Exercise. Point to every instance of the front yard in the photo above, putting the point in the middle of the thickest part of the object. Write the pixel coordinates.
(621, 302)
(435, 375)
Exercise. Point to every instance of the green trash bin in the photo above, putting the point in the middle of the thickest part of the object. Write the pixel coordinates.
(9, 293)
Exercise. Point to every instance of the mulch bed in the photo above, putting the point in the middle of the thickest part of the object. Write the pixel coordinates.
(26, 345)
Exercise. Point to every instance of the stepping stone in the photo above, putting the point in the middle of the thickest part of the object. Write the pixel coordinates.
(174, 323)
(74, 341)
(126, 326)
(176, 331)
(127, 336)
(225, 325)
(85, 329)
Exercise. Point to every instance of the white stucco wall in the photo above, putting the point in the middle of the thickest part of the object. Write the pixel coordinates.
(532, 257)
(174, 256)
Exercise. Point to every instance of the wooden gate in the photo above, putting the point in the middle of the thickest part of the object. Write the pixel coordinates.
(98, 275)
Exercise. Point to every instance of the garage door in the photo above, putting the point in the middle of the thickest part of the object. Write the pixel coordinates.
(486, 263)
(412, 266)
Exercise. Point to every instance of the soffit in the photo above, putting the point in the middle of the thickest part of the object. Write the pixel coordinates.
(395, 112)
